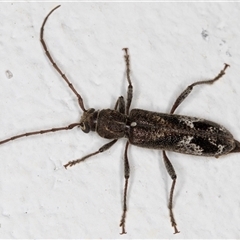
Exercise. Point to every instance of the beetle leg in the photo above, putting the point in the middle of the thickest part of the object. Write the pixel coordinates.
(120, 105)
(173, 175)
(126, 176)
(100, 150)
(130, 87)
(188, 90)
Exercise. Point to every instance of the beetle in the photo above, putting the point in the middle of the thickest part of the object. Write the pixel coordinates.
(142, 128)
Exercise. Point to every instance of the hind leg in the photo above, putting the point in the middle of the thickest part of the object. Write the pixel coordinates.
(189, 89)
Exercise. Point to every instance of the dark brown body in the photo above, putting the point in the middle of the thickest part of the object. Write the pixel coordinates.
(177, 133)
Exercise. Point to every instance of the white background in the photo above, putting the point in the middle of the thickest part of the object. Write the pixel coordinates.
(38, 197)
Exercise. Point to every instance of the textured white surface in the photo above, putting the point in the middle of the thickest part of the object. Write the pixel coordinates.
(169, 50)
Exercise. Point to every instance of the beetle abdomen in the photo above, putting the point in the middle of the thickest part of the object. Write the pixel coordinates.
(179, 133)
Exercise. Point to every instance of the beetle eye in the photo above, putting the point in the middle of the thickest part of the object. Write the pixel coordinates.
(85, 128)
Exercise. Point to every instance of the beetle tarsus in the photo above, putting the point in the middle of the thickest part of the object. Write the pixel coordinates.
(122, 224)
(176, 230)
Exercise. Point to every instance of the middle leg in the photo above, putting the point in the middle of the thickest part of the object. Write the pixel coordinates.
(126, 176)
(130, 87)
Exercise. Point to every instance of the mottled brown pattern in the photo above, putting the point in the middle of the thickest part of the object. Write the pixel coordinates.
(179, 133)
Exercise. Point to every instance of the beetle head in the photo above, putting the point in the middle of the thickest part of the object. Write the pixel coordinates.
(88, 120)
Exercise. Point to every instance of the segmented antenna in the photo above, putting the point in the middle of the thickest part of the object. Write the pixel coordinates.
(80, 100)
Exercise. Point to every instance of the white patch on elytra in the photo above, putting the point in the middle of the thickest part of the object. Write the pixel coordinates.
(222, 129)
(213, 129)
(220, 149)
(212, 141)
(186, 146)
(189, 121)
(219, 146)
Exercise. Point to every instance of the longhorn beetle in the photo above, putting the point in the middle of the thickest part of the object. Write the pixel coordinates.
(166, 132)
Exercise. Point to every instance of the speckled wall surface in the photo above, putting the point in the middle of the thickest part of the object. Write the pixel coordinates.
(171, 45)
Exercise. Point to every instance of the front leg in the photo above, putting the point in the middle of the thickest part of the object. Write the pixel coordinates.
(100, 150)
(120, 105)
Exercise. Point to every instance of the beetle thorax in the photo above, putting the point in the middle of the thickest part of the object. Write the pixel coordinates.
(111, 124)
